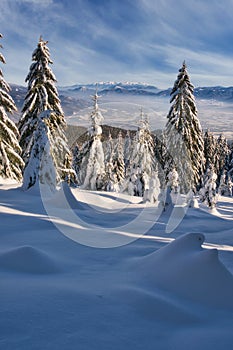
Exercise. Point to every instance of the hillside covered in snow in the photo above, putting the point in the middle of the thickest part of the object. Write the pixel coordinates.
(149, 289)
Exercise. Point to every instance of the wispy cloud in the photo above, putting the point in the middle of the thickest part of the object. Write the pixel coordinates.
(113, 40)
(36, 2)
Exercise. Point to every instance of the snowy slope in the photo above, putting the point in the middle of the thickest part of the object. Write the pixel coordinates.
(161, 291)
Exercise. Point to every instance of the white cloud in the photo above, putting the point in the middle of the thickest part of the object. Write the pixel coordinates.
(37, 2)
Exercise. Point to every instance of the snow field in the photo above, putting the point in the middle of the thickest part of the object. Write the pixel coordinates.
(56, 293)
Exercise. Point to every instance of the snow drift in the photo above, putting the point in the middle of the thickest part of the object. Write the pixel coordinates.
(184, 268)
(26, 259)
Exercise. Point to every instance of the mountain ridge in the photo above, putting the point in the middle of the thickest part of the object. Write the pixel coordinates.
(78, 97)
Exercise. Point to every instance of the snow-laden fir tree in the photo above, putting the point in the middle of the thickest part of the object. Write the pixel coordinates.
(127, 149)
(173, 181)
(108, 155)
(161, 157)
(226, 185)
(173, 188)
(92, 169)
(222, 152)
(109, 149)
(207, 193)
(41, 166)
(142, 157)
(42, 95)
(118, 163)
(76, 158)
(11, 163)
(151, 194)
(210, 150)
(184, 134)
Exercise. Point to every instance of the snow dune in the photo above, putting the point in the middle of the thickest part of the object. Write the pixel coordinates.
(184, 268)
(27, 259)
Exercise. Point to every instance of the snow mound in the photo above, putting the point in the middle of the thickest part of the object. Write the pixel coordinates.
(183, 267)
(27, 259)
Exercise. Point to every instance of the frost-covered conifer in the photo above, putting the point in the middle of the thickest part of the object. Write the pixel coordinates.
(173, 180)
(127, 149)
(110, 181)
(142, 157)
(11, 162)
(222, 152)
(76, 159)
(41, 164)
(109, 149)
(207, 192)
(162, 158)
(173, 188)
(160, 149)
(118, 161)
(151, 194)
(42, 96)
(184, 134)
(92, 169)
(226, 185)
(210, 146)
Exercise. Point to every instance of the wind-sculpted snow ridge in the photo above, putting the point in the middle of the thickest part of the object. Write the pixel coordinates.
(183, 268)
(27, 259)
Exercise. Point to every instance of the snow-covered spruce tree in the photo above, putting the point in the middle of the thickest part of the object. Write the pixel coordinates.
(226, 185)
(207, 193)
(161, 157)
(127, 149)
(118, 163)
(184, 134)
(93, 164)
(11, 162)
(109, 149)
(42, 96)
(173, 187)
(173, 180)
(41, 166)
(151, 194)
(142, 162)
(109, 179)
(76, 158)
(222, 152)
(210, 147)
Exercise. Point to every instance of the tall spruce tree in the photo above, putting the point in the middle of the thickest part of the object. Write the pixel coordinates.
(11, 162)
(42, 96)
(92, 168)
(184, 134)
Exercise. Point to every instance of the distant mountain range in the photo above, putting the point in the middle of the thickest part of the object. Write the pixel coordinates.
(211, 92)
(76, 97)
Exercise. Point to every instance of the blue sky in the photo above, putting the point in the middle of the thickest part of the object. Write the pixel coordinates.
(121, 40)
